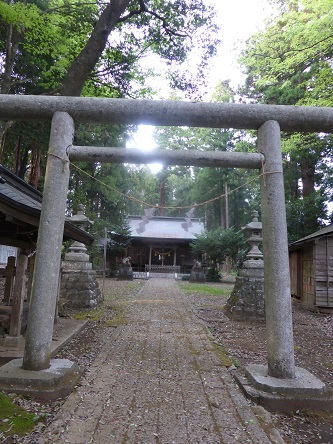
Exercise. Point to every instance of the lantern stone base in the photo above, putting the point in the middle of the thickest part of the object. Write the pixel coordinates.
(50, 384)
(305, 392)
(79, 289)
(125, 273)
(246, 302)
(197, 275)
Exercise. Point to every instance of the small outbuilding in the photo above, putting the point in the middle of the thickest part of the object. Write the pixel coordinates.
(311, 268)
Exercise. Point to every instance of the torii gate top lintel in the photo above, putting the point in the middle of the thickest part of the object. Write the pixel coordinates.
(167, 112)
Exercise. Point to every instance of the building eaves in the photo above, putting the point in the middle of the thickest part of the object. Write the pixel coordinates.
(325, 231)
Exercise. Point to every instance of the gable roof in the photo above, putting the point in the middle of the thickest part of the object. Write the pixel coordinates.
(20, 207)
(160, 227)
(325, 231)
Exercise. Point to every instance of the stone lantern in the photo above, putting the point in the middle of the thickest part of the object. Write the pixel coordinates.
(77, 258)
(254, 256)
(246, 301)
(79, 287)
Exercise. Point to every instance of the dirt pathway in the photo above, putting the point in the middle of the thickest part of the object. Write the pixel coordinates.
(158, 381)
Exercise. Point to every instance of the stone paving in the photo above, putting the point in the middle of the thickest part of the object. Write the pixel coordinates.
(159, 381)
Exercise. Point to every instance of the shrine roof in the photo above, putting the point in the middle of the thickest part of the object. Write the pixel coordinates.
(20, 207)
(160, 227)
(324, 231)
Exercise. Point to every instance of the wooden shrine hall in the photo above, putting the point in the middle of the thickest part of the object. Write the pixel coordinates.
(162, 243)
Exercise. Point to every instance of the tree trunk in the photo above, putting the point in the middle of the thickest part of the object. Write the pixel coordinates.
(308, 178)
(162, 197)
(35, 169)
(12, 41)
(86, 61)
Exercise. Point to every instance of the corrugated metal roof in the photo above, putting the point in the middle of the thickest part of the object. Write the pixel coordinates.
(159, 227)
(322, 232)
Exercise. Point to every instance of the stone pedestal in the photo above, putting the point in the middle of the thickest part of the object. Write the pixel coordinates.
(125, 272)
(246, 302)
(79, 287)
(197, 274)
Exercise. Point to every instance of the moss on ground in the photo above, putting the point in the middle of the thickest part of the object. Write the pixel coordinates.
(14, 420)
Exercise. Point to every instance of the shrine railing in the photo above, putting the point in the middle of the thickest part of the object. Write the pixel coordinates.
(162, 268)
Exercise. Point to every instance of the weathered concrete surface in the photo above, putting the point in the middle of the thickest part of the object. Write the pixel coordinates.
(304, 392)
(224, 159)
(52, 383)
(64, 330)
(159, 380)
(49, 244)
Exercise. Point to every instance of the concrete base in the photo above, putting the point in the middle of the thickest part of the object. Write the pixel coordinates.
(305, 392)
(14, 341)
(50, 384)
(64, 330)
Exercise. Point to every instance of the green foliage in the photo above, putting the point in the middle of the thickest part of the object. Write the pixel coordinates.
(218, 244)
(119, 237)
(194, 185)
(212, 275)
(284, 60)
(290, 63)
(303, 215)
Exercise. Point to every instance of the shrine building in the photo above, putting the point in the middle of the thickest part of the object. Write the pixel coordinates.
(162, 243)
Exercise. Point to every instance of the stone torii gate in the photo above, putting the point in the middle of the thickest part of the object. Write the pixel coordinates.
(268, 120)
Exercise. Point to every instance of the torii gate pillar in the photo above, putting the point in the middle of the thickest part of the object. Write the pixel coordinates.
(279, 327)
(62, 374)
(279, 385)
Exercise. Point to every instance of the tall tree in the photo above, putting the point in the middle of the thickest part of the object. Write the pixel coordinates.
(290, 63)
(71, 47)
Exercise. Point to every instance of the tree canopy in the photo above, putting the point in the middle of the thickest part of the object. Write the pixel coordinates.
(72, 47)
(290, 63)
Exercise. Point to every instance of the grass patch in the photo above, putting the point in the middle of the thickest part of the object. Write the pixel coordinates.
(215, 290)
(14, 420)
(90, 315)
(116, 322)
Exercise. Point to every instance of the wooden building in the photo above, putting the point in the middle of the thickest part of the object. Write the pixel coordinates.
(311, 268)
(163, 243)
(20, 207)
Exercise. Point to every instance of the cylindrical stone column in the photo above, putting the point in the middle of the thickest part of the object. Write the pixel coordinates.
(276, 261)
(48, 254)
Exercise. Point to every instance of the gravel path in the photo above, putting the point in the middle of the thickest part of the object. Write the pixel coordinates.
(158, 379)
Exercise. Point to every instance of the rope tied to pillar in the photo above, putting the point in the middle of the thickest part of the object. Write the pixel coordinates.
(64, 161)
